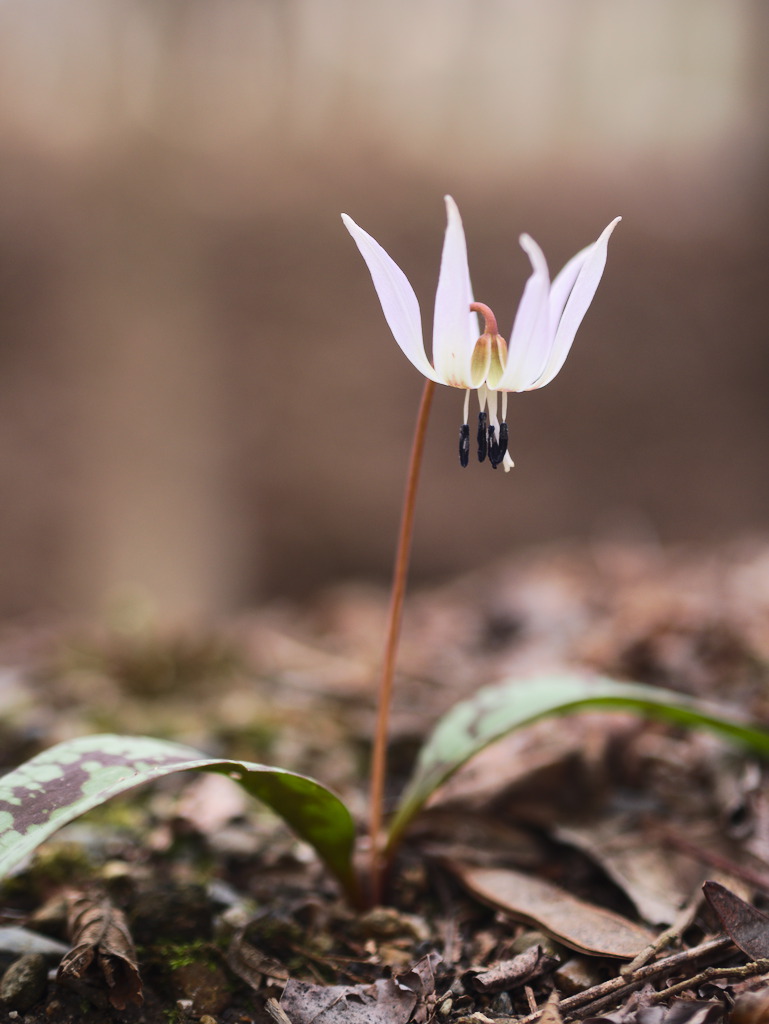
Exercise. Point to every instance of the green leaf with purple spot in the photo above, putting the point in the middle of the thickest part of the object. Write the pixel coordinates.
(73, 777)
(496, 710)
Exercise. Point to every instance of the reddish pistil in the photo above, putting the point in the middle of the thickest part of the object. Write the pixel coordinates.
(488, 316)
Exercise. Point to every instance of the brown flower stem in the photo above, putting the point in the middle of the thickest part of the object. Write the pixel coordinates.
(397, 594)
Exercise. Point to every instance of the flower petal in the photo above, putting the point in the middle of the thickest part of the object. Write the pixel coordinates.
(399, 303)
(455, 328)
(579, 300)
(562, 285)
(528, 350)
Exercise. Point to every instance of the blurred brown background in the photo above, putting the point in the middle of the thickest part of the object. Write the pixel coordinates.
(199, 397)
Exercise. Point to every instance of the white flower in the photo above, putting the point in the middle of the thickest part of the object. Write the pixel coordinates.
(547, 320)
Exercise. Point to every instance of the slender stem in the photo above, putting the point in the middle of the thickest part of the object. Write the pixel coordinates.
(398, 592)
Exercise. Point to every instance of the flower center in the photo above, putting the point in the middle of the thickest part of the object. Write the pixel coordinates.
(488, 363)
(490, 352)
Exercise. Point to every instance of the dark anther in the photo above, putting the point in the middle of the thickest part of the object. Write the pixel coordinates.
(494, 457)
(497, 450)
(483, 431)
(502, 440)
(464, 444)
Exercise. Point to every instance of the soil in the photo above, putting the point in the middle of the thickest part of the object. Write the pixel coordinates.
(216, 912)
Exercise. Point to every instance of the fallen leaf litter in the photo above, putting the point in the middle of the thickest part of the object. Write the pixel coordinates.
(274, 915)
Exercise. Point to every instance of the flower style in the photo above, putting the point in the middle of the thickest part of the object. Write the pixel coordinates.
(464, 357)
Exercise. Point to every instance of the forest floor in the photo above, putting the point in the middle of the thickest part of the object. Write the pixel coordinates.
(557, 877)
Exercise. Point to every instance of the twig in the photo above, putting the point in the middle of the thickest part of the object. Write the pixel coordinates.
(677, 928)
(628, 982)
(709, 974)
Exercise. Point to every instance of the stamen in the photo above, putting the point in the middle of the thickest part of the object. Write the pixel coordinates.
(482, 435)
(494, 457)
(503, 437)
(464, 445)
(498, 450)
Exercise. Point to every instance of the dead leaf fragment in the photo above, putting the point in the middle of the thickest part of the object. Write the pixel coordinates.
(746, 926)
(383, 1002)
(421, 980)
(102, 953)
(658, 881)
(252, 965)
(691, 1011)
(751, 1007)
(509, 974)
(680, 1011)
(574, 922)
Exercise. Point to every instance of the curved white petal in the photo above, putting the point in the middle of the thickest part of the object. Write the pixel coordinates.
(529, 345)
(455, 328)
(563, 282)
(399, 303)
(579, 300)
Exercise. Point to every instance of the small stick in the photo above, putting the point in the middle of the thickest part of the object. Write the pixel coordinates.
(614, 985)
(677, 928)
(709, 974)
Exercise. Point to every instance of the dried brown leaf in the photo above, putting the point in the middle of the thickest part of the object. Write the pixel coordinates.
(509, 974)
(574, 922)
(657, 880)
(687, 1011)
(102, 952)
(751, 1007)
(251, 965)
(679, 1012)
(383, 1002)
(744, 924)
(421, 981)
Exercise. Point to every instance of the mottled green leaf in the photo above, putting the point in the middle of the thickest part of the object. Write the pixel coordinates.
(69, 779)
(496, 710)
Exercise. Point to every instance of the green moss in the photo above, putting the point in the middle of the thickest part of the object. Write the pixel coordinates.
(182, 959)
(184, 954)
